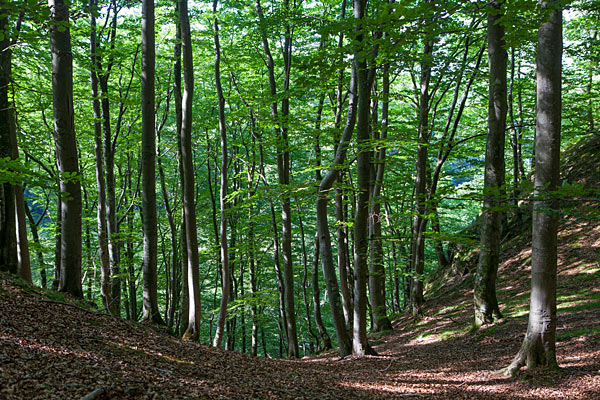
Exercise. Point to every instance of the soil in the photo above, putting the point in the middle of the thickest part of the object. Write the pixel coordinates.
(55, 350)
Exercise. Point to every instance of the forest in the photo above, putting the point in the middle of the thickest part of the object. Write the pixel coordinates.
(293, 179)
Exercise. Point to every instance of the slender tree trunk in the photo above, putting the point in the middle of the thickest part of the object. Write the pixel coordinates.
(189, 205)
(539, 345)
(376, 267)
(36, 240)
(57, 240)
(485, 300)
(360, 345)
(66, 149)
(317, 299)
(305, 280)
(150, 295)
(225, 284)
(23, 255)
(324, 237)
(514, 138)
(129, 249)
(593, 66)
(105, 291)
(419, 220)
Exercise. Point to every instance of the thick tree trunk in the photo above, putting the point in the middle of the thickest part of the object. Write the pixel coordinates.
(150, 295)
(485, 300)
(66, 150)
(8, 225)
(539, 345)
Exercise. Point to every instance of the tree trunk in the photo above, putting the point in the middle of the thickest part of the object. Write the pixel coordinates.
(417, 254)
(324, 237)
(317, 299)
(225, 284)
(485, 300)
(539, 345)
(305, 280)
(33, 225)
(376, 267)
(360, 345)
(66, 150)
(283, 169)
(8, 224)
(105, 291)
(189, 205)
(150, 297)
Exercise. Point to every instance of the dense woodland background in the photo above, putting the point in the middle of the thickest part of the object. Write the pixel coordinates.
(310, 163)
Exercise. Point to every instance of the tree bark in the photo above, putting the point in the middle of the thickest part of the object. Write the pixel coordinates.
(8, 224)
(360, 345)
(316, 293)
(66, 150)
(324, 237)
(150, 295)
(539, 346)
(105, 291)
(189, 205)
(381, 322)
(485, 299)
(225, 283)
(419, 221)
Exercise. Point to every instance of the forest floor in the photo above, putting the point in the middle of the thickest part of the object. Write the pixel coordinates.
(50, 349)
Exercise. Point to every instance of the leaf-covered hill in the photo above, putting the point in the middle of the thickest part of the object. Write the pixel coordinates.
(54, 349)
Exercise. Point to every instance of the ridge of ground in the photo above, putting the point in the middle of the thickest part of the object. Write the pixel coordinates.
(54, 349)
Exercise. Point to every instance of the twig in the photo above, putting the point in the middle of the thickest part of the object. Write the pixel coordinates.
(70, 305)
(96, 393)
(386, 368)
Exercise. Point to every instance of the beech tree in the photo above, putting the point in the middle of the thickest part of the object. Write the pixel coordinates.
(66, 149)
(486, 302)
(150, 298)
(223, 191)
(189, 203)
(539, 345)
(8, 226)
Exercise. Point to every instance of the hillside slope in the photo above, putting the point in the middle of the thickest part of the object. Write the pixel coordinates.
(55, 350)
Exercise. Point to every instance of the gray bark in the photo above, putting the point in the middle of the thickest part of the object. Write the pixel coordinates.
(189, 205)
(316, 294)
(539, 345)
(376, 266)
(66, 149)
(105, 291)
(485, 299)
(360, 345)
(225, 275)
(324, 237)
(150, 295)
(417, 253)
